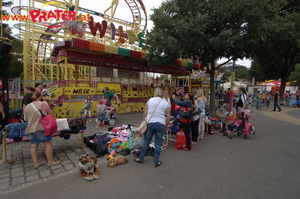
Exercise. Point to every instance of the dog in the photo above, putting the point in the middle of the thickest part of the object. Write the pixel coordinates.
(89, 167)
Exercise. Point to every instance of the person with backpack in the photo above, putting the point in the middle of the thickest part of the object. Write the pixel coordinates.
(186, 117)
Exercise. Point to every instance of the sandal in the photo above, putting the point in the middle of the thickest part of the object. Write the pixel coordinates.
(158, 164)
(55, 163)
(138, 160)
(40, 164)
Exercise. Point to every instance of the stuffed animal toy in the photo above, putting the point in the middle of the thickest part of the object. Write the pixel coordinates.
(114, 145)
(112, 161)
(88, 166)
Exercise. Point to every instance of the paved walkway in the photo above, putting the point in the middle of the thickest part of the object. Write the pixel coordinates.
(18, 172)
(290, 115)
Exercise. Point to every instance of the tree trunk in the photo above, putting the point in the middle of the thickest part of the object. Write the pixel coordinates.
(289, 66)
(212, 111)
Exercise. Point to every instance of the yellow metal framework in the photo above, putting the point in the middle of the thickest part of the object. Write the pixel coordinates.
(39, 41)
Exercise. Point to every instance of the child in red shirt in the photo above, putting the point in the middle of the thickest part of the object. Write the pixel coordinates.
(238, 120)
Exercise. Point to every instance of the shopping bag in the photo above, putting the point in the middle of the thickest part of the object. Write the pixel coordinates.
(180, 140)
(135, 140)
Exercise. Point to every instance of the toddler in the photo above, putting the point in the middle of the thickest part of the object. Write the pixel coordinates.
(238, 120)
(101, 114)
(45, 91)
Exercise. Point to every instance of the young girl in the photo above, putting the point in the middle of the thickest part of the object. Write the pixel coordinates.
(238, 120)
(88, 107)
(268, 99)
(101, 114)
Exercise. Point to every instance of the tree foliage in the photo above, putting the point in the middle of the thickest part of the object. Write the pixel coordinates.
(209, 29)
(295, 76)
(278, 49)
(11, 65)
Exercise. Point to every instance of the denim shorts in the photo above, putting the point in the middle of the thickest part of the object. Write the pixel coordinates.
(38, 137)
(101, 116)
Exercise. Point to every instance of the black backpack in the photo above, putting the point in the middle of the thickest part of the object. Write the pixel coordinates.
(101, 144)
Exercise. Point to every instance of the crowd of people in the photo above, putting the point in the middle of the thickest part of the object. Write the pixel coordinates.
(158, 112)
(194, 126)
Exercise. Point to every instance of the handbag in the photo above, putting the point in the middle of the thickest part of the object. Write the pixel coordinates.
(48, 121)
(185, 113)
(143, 125)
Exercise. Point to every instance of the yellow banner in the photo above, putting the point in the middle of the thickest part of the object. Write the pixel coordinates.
(56, 92)
(113, 87)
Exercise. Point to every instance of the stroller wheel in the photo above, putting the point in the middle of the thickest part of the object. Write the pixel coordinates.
(246, 137)
(112, 122)
(225, 134)
(239, 133)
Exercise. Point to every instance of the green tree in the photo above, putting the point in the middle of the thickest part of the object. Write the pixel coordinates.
(11, 65)
(278, 47)
(295, 76)
(207, 28)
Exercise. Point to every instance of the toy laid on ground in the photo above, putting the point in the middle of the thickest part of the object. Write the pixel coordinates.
(112, 161)
(89, 167)
(242, 125)
(114, 147)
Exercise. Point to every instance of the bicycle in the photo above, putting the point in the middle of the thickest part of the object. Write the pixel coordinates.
(220, 109)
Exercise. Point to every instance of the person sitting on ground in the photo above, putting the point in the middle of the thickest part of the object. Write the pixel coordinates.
(35, 130)
(101, 114)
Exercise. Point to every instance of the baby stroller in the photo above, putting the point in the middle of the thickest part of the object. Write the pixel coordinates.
(110, 115)
(247, 126)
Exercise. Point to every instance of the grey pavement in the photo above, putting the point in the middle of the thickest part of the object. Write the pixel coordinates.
(265, 166)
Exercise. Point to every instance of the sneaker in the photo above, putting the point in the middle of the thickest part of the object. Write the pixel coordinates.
(98, 126)
(279, 110)
(194, 142)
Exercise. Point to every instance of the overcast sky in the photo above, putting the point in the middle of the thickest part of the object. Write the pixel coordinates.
(122, 12)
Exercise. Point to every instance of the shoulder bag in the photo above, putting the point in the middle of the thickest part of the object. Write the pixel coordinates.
(48, 121)
(143, 125)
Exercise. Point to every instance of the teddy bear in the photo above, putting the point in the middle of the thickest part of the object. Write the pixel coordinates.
(89, 167)
(112, 161)
(114, 146)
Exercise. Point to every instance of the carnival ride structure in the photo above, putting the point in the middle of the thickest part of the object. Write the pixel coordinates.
(82, 54)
